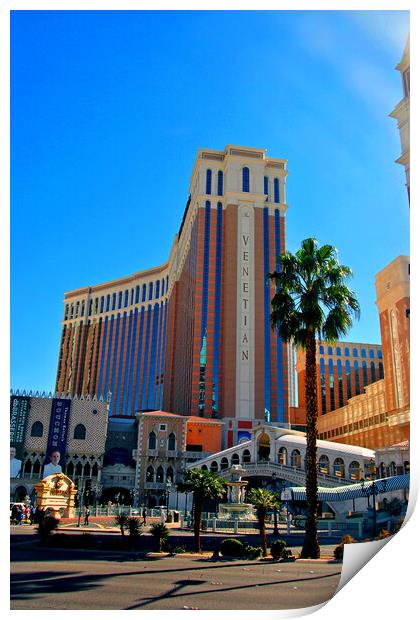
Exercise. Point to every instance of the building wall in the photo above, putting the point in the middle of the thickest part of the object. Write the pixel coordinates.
(401, 113)
(202, 343)
(344, 369)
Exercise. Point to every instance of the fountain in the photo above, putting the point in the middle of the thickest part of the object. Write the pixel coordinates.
(236, 507)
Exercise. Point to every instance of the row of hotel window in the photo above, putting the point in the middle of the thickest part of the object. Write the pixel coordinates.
(354, 426)
(245, 184)
(347, 352)
(123, 299)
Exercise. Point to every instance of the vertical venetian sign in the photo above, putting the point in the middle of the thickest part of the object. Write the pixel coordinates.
(245, 314)
(57, 436)
(19, 409)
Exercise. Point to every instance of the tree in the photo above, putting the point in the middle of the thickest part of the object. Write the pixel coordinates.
(202, 484)
(122, 522)
(312, 299)
(161, 534)
(263, 500)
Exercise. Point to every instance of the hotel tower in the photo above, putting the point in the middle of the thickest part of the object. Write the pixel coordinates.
(193, 335)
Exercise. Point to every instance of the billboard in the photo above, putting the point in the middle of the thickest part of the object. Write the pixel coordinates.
(57, 436)
(19, 409)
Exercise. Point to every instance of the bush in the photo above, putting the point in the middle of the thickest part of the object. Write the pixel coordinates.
(121, 521)
(161, 534)
(179, 549)
(46, 526)
(134, 527)
(339, 550)
(253, 552)
(278, 549)
(232, 547)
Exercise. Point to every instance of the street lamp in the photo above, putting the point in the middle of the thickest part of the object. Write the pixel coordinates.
(168, 488)
(275, 528)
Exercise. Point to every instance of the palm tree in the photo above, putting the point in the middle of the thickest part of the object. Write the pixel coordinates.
(312, 299)
(202, 484)
(263, 500)
(161, 533)
(122, 522)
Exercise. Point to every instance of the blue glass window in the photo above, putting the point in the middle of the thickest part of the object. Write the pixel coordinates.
(380, 354)
(365, 374)
(208, 181)
(150, 290)
(220, 183)
(356, 377)
(157, 287)
(348, 379)
(371, 353)
(143, 293)
(331, 382)
(323, 386)
(346, 351)
(102, 304)
(338, 351)
(266, 187)
(381, 370)
(245, 179)
(340, 383)
(132, 297)
(321, 349)
(363, 352)
(137, 294)
(108, 301)
(276, 191)
(355, 353)
(126, 299)
(114, 300)
(373, 371)
(330, 351)
(119, 300)
(163, 286)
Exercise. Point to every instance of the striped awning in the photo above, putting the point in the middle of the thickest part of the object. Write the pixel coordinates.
(352, 491)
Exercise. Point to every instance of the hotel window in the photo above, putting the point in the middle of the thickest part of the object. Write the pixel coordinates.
(119, 300)
(348, 379)
(102, 304)
(365, 374)
(150, 474)
(340, 383)
(381, 370)
(132, 297)
(90, 307)
(137, 294)
(80, 432)
(163, 286)
(331, 383)
(208, 182)
(37, 429)
(159, 474)
(108, 301)
(82, 313)
(373, 371)
(157, 287)
(220, 183)
(71, 311)
(346, 351)
(152, 441)
(363, 352)
(143, 293)
(150, 290)
(171, 441)
(276, 191)
(357, 378)
(380, 355)
(371, 353)
(355, 353)
(77, 309)
(323, 386)
(96, 305)
(66, 312)
(321, 349)
(114, 300)
(126, 299)
(245, 179)
(338, 351)
(266, 187)
(330, 351)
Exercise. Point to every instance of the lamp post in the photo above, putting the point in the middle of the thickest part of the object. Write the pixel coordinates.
(81, 492)
(275, 528)
(168, 489)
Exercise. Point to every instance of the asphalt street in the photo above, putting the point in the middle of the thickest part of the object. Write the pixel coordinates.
(43, 579)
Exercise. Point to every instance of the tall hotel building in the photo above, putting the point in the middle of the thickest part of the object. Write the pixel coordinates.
(193, 336)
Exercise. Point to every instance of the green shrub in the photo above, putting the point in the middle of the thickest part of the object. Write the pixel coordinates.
(179, 549)
(122, 522)
(134, 527)
(253, 552)
(232, 547)
(278, 549)
(161, 534)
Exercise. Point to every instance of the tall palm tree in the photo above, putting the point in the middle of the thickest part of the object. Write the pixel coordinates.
(202, 484)
(312, 299)
(263, 500)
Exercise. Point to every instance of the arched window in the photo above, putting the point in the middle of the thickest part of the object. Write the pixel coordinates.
(28, 467)
(338, 350)
(263, 447)
(152, 441)
(170, 474)
(324, 464)
(330, 351)
(235, 459)
(171, 442)
(245, 179)
(276, 191)
(204, 468)
(371, 353)
(373, 371)
(95, 470)
(214, 467)
(143, 292)
(406, 467)
(354, 470)
(282, 456)
(346, 351)
(220, 183)
(70, 469)
(159, 474)
(37, 467)
(80, 432)
(208, 181)
(355, 353)
(363, 352)
(157, 287)
(224, 463)
(392, 469)
(381, 370)
(321, 349)
(246, 456)
(86, 470)
(382, 470)
(379, 354)
(137, 294)
(79, 469)
(356, 377)
(296, 459)
(150, 290)
(266, 187)
(37, 429)
(126, 298)
(339, 467)
(365, 374)
(119, 300)
(150, 474)
(102, 304)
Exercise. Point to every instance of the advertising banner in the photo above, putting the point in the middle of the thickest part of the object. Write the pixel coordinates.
(57, 436)
(19, 409)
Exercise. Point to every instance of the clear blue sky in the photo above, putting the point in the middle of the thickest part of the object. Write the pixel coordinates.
(108, 111)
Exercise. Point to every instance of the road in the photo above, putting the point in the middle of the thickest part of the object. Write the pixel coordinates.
(43, 579)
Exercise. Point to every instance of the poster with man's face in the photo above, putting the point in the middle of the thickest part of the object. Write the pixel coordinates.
(52, 463)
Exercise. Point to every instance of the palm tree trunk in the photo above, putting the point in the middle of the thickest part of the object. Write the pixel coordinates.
(261, 519)
(198, 505)
(310, 547)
